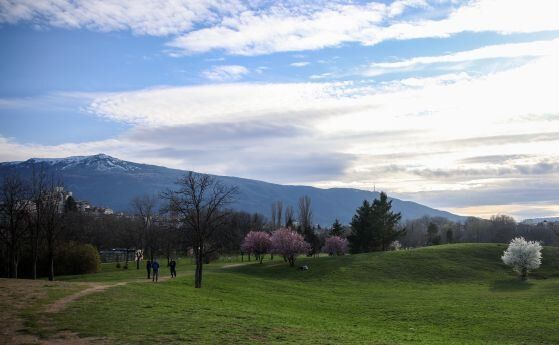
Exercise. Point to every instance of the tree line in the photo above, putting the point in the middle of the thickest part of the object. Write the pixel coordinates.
(37, 227)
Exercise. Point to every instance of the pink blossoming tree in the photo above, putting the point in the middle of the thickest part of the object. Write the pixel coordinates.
(289, 244)
(335, 245)
(258, 243)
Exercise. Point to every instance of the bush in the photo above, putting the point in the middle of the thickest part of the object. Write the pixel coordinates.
(75, 258)
(395, 245)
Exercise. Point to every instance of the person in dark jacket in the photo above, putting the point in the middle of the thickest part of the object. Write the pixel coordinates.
(148, 268)
(173, 268)
(155, 267)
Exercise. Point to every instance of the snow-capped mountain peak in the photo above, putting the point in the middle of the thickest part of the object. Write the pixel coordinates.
(100, 162)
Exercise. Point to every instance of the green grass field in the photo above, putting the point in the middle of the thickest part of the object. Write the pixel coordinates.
(451, 294)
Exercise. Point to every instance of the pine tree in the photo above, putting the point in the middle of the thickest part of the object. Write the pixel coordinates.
(361, 237)
(70, 205)
(374, 226)
(337, 228)
(433, 237)
(385, 222)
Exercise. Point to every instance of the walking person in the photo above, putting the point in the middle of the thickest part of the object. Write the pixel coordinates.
(148, 268)
(173, 267)
(155, 267)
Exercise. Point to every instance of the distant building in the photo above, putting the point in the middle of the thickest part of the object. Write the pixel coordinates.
(83, 206)
(62, 196)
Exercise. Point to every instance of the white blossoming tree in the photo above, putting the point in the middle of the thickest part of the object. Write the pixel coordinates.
(523, 256)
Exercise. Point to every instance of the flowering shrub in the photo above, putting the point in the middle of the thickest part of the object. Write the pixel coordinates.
(289, 244)
(257, 243)
(523, 256)
(395, 245)
(335, 245)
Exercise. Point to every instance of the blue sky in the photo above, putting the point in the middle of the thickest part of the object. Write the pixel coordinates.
(448, 103)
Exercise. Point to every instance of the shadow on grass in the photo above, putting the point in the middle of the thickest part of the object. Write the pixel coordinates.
(511, 285)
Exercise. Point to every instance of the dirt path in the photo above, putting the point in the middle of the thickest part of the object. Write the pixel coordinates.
(60, 304)
(17, 295)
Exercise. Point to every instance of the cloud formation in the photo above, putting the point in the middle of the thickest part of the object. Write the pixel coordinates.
(499, 51)
(255, 28)
(408, 135)
(280, 29)
(225, 73)
(451, 135)
(138, 16)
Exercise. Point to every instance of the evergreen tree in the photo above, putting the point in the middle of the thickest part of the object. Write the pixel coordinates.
(70, 205)
(433, 237)
(374, 226)
(337, 229)
(449, 235)
(311, 238)
(385, 222)
(361, 237)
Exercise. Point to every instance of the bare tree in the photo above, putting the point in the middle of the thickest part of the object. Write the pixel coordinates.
(38, 190)
(145, 207)
(14, 208)
(199, 203)
(279, 209)
(305, 213)
(51, 209)
(257, 222)
(289, 217)
(273, 216)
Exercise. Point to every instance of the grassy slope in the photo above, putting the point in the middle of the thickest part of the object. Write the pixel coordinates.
(453, 294)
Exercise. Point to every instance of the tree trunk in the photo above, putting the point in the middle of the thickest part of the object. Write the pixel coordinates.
(198, 274)
(34, 267)
(291, 261)
(50, 249)
(14, 265)
(11, 265)
(51, 266)
(524, 274)
(35, 255)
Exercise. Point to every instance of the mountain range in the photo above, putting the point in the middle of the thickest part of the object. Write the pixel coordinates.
(110, 182)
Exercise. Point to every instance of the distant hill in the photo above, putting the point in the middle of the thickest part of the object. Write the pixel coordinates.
(107, 181)
(535, 221)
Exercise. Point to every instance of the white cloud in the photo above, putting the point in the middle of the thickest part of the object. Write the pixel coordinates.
(299, 64)
(289, 29)
(142, 17)
(453, 104)
(512, 50)
(252, 28)
(225, 73)
(276, 30)
(415, 134)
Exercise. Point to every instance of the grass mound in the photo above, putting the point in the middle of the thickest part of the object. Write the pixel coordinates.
(445, 263)
(452, 294)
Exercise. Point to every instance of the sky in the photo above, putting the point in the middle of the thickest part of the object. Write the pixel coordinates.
(453, 104)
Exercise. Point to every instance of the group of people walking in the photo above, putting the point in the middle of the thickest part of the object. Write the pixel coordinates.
(153, 269)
